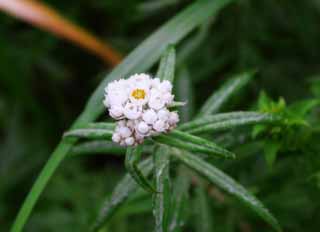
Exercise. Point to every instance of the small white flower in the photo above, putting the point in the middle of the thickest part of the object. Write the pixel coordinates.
(173, 118)
(163, 114)
(149, 116)
(132, 111)
(129, 141)
(168, 98)
(116, 137)
(165, 86)
(116, 112)
(143, 128)
(159, 126)
(156, 101)
(124, 132)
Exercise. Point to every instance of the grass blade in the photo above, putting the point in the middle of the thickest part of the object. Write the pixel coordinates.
(225, 182)
(125, 188)
(220, 97)
(142, 58)
(162, 197)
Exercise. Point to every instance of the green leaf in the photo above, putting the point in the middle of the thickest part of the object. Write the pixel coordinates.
(185, 93)
(167, 65)
(262, 118)
(183, 136)
(271, 149)
(124, 189)
(97, 147)
(162, 197)
(180, 209)
(193, 143)
(142, 58)
(217, 118)
(225, 182)
(103, 147)
(89, 134)
(133, 155)
(220, 97)
(203, 215)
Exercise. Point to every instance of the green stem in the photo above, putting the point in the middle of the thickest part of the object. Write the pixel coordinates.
(52, 164)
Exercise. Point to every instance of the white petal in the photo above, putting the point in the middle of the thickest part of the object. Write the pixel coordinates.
(116, 112)
(159, 126)
(132, 111)
(129, 141)
(143, 128)
(125, 132)
(156, 102)
(149, 116)
(165, 86)
(163, 114)
(173, 118)
(116, 137)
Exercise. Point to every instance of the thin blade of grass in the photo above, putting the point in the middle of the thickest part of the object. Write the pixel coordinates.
(142, 58)
(124, 189)
(46, 18)
(162, 197)
(225, 182)
(220, 97)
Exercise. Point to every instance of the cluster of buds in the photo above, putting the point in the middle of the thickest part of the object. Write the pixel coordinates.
(140, 106)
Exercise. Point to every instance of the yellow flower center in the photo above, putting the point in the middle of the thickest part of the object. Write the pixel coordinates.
(138, 94)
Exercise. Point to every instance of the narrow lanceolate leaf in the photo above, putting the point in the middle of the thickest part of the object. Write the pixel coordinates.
(102, 125)
(217, 118)
(184, 91)
(97, 147)
(262, 118)
(162, 196)
(89, 133)
(142, 58)
(220, 97)
(167, 65)
(103, 147)
(225, 182)
(203, 219)
(133, 155)
(193, 143)
(180, 209)
(124, 189)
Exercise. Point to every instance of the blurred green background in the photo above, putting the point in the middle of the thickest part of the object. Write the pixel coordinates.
(45, 81)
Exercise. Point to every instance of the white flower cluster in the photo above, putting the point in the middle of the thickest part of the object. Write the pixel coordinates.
(140, 106)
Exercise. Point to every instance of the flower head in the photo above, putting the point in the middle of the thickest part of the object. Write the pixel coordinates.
(140, 106)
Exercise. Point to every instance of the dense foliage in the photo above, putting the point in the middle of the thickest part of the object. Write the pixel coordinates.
(249, 71)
